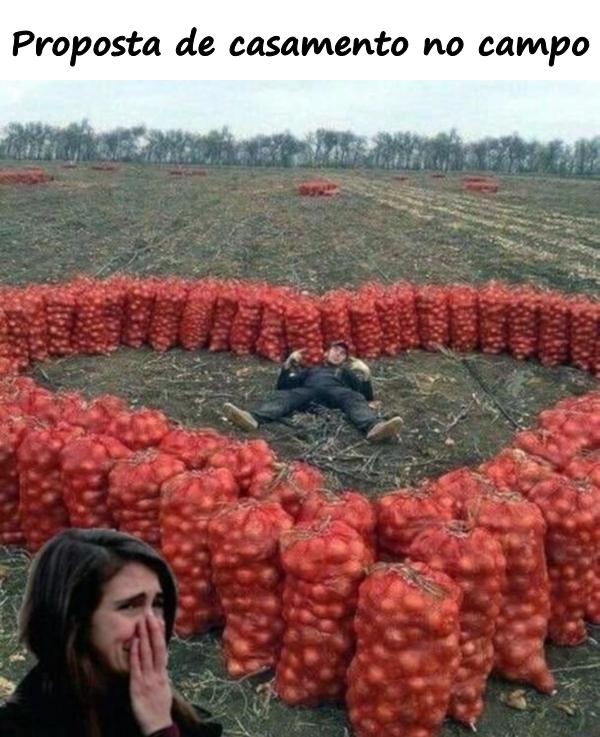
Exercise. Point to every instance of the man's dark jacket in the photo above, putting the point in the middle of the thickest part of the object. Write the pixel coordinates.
(324, 379)
(39, 708)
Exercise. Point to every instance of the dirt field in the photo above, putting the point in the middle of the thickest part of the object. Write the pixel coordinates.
(251, 223)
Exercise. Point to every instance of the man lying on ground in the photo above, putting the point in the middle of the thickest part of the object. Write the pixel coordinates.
(340, 382)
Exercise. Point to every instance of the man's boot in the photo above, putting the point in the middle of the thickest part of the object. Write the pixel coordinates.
(384, 430)
(240, 417)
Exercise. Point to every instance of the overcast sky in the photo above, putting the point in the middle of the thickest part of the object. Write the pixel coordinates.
(541, 110)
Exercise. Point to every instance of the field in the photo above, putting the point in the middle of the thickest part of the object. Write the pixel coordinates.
(251, 223)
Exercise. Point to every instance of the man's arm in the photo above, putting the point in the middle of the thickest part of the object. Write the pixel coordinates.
(359, 378)
(291, 374)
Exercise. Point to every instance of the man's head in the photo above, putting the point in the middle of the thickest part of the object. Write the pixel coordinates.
(337, 353)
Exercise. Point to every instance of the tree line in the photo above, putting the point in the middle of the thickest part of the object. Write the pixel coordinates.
(445, 151)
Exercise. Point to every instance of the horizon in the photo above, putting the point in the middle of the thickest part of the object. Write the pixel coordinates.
(533, 110)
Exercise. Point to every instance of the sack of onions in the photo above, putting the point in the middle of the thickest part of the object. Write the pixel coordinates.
(247, 571)
(271, 342)
(245, 327)
(405, 297)
(192, 446)
(335, 317)
(523, 322)
(324, 565)
(303, 327)
(41, 503)
(139, 303)
(572, 513)
(134, 491)
(366, 326)
(401, 515)
(522, 624)
(474, 560)
(13, 428)
(289, 484)
(85, 463)
(407, 652)
(583, 330)
(434, 316)
(226, 306)
(169, 300)
(60, 318)
(188, 502)
(493, 301)
(515, 470)
(139, 429)
(197, 315)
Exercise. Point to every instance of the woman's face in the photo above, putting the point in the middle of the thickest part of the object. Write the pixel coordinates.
(127, 598)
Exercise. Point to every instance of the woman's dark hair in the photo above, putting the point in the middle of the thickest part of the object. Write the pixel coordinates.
(64, 588)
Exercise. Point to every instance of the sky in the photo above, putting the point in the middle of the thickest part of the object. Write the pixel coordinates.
(534, 109)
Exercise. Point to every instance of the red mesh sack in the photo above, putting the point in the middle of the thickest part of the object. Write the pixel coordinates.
(192, 446)
(89, 329)
(244, 548)
(583, 329)
(226, 306)
(493, 317)
(139, 429)
(60, 318)
(13, 306)
(474, 560)
(514, 470)
(408, 318)
(197, 315)
(303, 327)
(389, 320)
(85, 463)
(94, 416)
(139, 303)
(35, 307)
(585, 466)
(12, 431)
(42, 508)
(348, 506)
(189, 500)
(553, 345)
(402, 515)
(556, 449)
(522, 624)
(169, 302)
(324, 566)
(335, 317)
(271, 342)
(245, 460)
(134, 490)
(289, 484)
(366, 327)
(407, 652)
(578, 424)
(572, 513)
(464, 317)
(115, 297)
(456, 491)
(434, 317)
(245, 327)
(523, 322)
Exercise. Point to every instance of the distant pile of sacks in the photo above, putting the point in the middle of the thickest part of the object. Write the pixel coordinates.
(318, 188)
(25, 175)
(486, 185)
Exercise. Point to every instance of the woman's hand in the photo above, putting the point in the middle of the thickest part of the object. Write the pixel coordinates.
(149, 687)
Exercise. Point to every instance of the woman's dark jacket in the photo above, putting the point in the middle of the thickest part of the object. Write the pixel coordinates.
(41, 708)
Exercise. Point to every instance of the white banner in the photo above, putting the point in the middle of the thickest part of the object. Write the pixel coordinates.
(307, 40)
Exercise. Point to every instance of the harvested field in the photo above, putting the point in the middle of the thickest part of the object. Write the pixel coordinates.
(251, 223)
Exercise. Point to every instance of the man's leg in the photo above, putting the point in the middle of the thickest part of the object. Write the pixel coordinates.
(357, 410)
(280, 404)
(354, 406)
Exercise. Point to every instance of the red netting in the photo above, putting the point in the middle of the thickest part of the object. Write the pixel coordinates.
(134, 490)
(85, 463)
(464, 317)
(407, 652)
(522, 624)
(244, 546)
(523, 322)
(493, 317)
(402, 515)
(189, 501)
(434, 317)
(324, 565)
(572, 513)
(169, 302)
(41, 505)
(474, 560)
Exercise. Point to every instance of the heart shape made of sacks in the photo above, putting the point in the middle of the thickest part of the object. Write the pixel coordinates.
(492, 560)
